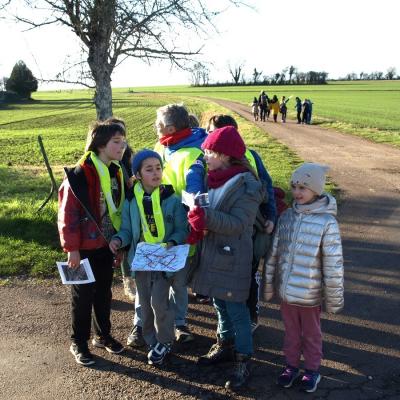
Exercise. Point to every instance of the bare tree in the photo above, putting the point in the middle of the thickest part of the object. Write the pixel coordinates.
(112, 30)
(292, 71)
(391, 73)
(236, 72)
(256, 75)
(200, 74)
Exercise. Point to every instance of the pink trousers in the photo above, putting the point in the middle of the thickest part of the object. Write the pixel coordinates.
(302, 335)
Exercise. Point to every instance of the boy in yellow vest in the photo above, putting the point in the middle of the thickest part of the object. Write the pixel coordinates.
(153, 215)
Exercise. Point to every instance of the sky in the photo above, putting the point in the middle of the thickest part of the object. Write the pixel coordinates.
(336, 36)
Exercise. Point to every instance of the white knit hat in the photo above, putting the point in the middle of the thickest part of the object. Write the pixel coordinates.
(311, 175)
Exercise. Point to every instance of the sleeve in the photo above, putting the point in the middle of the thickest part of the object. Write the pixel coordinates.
(68, 218)
(241, 215)
(180, 224)
(268, 209)
(125, 232)
(332, 268)
(195, 181)
(270, 267)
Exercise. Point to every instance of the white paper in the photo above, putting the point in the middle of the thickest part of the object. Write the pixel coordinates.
(188, 199)
(191, 200)
(155, 257)
(76, 276)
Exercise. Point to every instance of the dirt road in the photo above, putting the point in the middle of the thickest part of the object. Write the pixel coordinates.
(361, 346)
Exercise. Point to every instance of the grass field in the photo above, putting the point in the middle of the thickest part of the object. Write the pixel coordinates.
(29, 240)
(370, 109)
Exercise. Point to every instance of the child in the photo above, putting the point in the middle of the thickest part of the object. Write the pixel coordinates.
(307, 259)
(255, 109)
(90, 205)
(298, 108)
(142, 220)
(261, 238)
(274, 107)
(283, 108)
(224, 270)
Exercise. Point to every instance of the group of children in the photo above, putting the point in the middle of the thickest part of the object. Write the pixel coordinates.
(262, 107)
(101, 213)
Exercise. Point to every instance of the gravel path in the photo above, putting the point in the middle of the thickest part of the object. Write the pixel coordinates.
(361, 345)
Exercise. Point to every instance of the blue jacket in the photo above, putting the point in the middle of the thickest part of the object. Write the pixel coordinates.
(175, 222)
(268, 210)
(195, 181)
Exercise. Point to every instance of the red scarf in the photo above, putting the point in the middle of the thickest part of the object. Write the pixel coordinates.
(218, 177)
(168, 140)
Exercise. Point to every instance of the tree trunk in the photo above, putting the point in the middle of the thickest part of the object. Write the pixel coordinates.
(103, 97)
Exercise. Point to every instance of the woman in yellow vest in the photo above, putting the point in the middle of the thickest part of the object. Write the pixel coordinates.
(154, 214)
(90, 205)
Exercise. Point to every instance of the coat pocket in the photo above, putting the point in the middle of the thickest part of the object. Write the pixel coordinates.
(224, 258)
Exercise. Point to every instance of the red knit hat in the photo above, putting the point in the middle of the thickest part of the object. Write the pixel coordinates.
(226, 140)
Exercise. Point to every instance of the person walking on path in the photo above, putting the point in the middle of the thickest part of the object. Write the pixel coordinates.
(274, 105)
(298, 108)
(283, 108)
(306, 263)
(90, 203)
(263, 104)
(153, 214)
(224, 270)
(255, 109)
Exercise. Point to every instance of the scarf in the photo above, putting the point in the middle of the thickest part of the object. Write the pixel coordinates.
(218, 177)
(168, 140)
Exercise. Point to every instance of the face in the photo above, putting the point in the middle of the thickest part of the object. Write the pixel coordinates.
(215, 160)
(211, 127)
(302, 194)
(162, 129)
(150, 174)
(114, 149)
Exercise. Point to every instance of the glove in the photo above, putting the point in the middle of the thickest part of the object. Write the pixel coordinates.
(197, 219)
(194, 236)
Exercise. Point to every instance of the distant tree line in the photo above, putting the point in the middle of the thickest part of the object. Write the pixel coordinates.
(390, 74)
(19, 85)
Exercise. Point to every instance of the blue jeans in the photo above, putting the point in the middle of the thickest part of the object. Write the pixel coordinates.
(234, 323)
(178, 297)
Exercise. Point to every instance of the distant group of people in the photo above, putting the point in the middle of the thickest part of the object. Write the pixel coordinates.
(262, 106)
(109, 203)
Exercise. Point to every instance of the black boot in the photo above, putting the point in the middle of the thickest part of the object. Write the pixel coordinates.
(241, 372)
(219, 352)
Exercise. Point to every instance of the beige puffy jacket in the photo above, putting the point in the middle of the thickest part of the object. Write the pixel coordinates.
(306, 261)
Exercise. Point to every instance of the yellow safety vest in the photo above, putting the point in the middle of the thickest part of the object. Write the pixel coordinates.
(177, 167)
(157, 212)
(105, 183)
(250, 158)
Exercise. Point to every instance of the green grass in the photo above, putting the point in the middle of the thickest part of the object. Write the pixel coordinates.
(29, 243)
(369, 109)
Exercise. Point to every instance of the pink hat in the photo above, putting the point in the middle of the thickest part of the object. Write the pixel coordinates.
(226, 140)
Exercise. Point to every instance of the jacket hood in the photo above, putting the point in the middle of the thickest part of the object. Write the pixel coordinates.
(326, 204)
(194, 140)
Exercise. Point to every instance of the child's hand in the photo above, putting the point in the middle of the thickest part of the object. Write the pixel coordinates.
(74, 259)
(269, 226)
(115, 244)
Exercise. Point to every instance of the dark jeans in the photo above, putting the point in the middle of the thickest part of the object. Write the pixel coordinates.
(95, 295)
(263, 111)
(299, 117)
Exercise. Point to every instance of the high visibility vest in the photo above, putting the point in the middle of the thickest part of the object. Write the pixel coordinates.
(114, 211)
(250, 158)
(157, 212)
(177, 167)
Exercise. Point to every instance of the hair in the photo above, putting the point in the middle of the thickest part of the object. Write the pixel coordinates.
(101, 132)
(193, 121)
(175, 115)
(275, 98)
(221, 120)
(255, 100)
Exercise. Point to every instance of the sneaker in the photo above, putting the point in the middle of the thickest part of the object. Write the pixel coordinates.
(219, 352)
(135, 338)
(254, 326)
(183, 334)
(158, 353)
(108, 343)
(310, 380)
(288, 376)
(82, 354)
